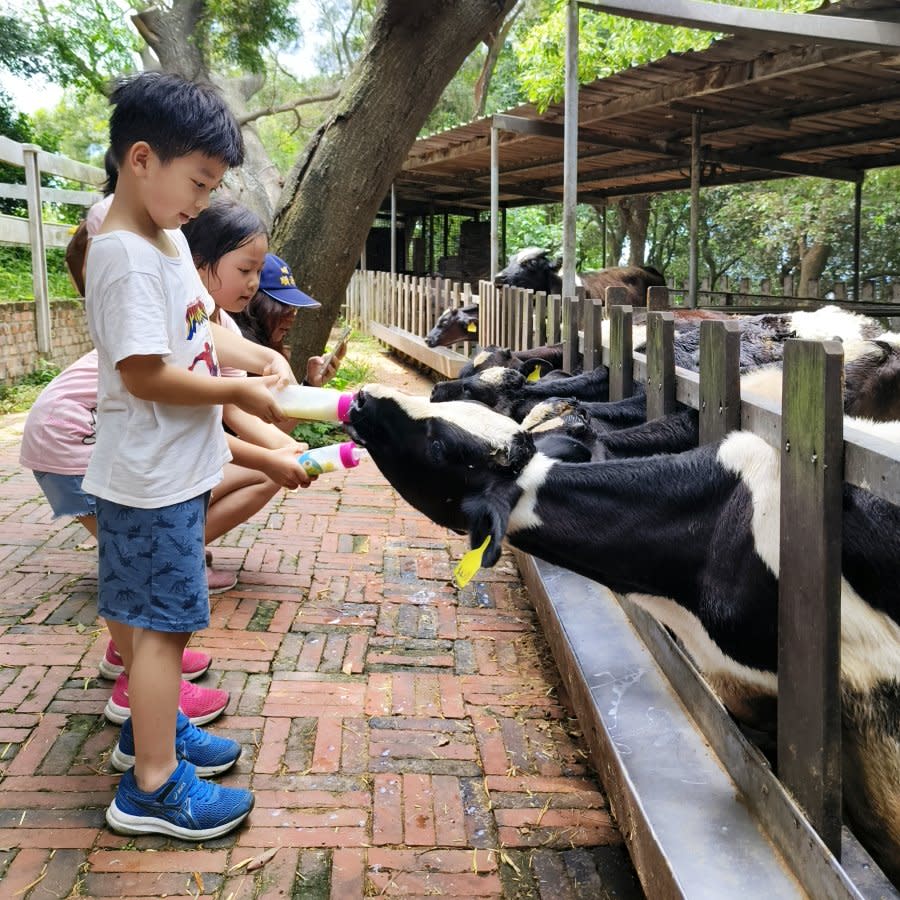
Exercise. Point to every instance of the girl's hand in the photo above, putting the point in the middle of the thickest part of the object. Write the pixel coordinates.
(318, 372)
(282, 467)
(279, 366)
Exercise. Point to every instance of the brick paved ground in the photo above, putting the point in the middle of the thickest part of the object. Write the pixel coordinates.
(403, 738)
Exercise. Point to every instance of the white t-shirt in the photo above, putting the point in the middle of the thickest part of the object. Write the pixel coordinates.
(141, 302)
(61, 426)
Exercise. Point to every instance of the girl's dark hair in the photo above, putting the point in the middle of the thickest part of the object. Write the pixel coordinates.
(176, 117)
(222, 227)
(260, 318)
(112, 172)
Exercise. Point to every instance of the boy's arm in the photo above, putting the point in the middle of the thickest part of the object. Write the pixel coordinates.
(236, 351)
(150, 379)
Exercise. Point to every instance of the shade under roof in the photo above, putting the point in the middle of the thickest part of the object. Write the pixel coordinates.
(770, 108)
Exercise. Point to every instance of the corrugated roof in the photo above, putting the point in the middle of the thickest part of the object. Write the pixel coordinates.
(769, 108)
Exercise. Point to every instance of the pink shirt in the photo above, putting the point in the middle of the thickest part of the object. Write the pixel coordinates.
(61, 426)
(60, 430)
(227, 322)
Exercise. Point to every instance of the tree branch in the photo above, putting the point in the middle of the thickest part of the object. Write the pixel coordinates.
(494, 43)
(286, 107)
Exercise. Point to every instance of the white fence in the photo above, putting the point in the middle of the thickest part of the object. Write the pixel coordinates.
(33, 231)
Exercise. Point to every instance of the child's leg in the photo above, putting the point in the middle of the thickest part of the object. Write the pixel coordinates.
(241, 493)
(120, 633)
(154, 682)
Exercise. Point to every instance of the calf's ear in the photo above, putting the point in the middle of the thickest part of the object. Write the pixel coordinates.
(487, 515)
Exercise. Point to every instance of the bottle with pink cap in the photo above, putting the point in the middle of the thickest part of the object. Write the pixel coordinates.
(313, 404)
(327, 459)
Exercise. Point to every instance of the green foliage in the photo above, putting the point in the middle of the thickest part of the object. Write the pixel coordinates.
(15, 274)
(607, 43)
(87, 42)
(78, 126)
(345, 25)
(19, 396)
(20, 52)
(237, 31)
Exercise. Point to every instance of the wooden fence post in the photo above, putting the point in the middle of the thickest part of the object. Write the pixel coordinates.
(809, 586)
(621, 362)
(38, 251)
(660, 364)
(554, 318)
(540, 319)
(571, 312)
(593, 334)
(615, 296)
(657, 297)
(720, 386)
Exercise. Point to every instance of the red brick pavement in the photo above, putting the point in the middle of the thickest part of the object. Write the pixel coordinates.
(402, 737)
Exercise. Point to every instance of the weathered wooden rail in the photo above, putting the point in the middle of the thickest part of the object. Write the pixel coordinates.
(689, 833)
(33, 231)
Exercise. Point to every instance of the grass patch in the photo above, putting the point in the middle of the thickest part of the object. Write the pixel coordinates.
(15, 274)
(19, 396)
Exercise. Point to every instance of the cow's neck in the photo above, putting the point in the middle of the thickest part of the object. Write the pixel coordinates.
(637, 526)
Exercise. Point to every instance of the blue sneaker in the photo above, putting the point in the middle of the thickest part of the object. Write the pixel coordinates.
(184, 807)
(210, 755)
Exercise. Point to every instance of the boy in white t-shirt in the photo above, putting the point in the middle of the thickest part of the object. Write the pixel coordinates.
(160, 446)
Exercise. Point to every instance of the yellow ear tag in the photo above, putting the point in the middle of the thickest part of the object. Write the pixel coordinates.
(469, 564)
(534, 374)
(471, 327)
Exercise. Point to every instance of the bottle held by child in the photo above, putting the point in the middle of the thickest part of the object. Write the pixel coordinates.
(313, 404)
(319, 460)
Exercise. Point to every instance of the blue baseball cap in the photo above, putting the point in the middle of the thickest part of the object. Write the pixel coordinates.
(277, 280)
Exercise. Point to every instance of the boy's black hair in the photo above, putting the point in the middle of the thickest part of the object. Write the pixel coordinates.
(112, 172)
(175, 117)
(222, 227)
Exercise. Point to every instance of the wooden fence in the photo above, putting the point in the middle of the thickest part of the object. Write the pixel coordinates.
(815, 448)
(33, 231)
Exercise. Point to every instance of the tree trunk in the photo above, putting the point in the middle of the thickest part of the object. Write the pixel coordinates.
(331, 196)
(615, 235)
(635, 212)
(812, 264)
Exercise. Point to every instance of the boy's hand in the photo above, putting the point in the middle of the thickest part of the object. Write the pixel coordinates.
(282, 467)
(254, 395)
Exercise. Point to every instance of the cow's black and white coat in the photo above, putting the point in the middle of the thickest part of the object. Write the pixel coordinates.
(693, 538)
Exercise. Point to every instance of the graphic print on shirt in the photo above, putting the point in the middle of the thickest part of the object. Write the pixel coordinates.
(209, 357)
(195, 316)
(92, 437)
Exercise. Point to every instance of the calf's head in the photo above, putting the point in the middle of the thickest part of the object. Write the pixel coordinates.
(457, 463)
(460, 324)
(496, 387)
(531, 268)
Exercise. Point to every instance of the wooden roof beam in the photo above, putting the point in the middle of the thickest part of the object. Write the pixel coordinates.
(839, 30)
(719, 79)
(887, 131)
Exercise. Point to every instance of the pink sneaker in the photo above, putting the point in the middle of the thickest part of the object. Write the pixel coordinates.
(193, 664)
(220, 581)
(199, 704)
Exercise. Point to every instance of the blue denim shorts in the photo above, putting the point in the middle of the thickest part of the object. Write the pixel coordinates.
(152, 571)
(65, 496)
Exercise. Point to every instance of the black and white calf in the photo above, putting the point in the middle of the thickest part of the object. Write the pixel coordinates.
(693, 538)
(508, 392)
